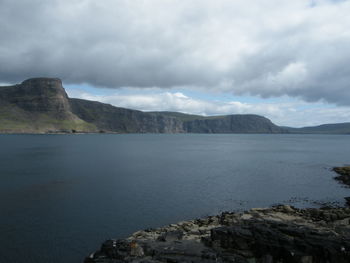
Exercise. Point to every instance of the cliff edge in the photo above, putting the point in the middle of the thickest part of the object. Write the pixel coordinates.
(41, 105)
(38, 105)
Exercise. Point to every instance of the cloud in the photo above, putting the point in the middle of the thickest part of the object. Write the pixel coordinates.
(294, 113)
(266, 48)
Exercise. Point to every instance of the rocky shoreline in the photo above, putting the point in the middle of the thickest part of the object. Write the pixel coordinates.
(262, 235)
(344, 174)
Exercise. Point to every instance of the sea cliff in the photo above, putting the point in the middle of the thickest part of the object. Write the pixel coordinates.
(41, 105)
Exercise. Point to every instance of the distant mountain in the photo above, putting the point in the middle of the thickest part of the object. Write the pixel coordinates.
(335, 128)
(41, 105)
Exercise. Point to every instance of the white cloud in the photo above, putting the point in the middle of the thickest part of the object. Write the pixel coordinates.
(264, 48)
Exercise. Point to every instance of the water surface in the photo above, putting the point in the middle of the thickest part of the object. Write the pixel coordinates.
(62, 195)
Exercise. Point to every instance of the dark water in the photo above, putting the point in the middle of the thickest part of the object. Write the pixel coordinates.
(62, 195)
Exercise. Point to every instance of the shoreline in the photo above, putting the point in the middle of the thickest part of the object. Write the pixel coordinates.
(280, 233)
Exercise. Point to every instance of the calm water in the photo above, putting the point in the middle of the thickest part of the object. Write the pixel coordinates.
(62, 195)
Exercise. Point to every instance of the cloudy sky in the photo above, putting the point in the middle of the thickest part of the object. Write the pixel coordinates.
(286, 60)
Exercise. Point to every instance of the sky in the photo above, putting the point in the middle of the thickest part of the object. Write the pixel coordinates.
(286, 60)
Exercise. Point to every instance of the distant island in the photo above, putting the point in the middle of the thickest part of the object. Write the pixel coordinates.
(41, 105)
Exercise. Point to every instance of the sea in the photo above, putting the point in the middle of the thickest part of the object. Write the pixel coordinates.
(61, 196)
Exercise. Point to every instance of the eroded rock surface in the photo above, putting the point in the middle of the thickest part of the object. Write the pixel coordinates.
(277, 234)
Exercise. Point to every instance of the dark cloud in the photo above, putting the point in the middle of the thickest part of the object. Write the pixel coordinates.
(265, 48)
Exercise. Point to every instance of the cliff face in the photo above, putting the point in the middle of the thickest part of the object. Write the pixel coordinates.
(38, 105)
(232, 124)
(109, 118)
(39, 95)
(41, 105)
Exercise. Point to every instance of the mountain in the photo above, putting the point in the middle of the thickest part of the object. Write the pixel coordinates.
(335, 128)
(38, 105)
(41, 105)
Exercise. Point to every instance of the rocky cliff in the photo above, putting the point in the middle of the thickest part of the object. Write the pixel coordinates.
(247, 123)
(41, 105)
(114, 119)
(41, 95)
(110, 118)
(38, 105)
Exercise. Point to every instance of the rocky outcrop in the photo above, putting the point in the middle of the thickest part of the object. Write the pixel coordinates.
(39, 95)
(277, 234)
(344, 176)
(38, 105)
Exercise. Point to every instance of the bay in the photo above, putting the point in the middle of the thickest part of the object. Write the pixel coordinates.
(62, 195)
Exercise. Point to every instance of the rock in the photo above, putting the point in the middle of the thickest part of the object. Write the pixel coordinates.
(344, 176)
(347, 199)
(300, 235)
(171, 236)
(306, 259)
(39, 95)
(246, 216)
(287, 209)
(136, 250)
(279, 240)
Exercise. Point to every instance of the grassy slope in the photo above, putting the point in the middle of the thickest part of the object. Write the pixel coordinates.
(15, 120)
